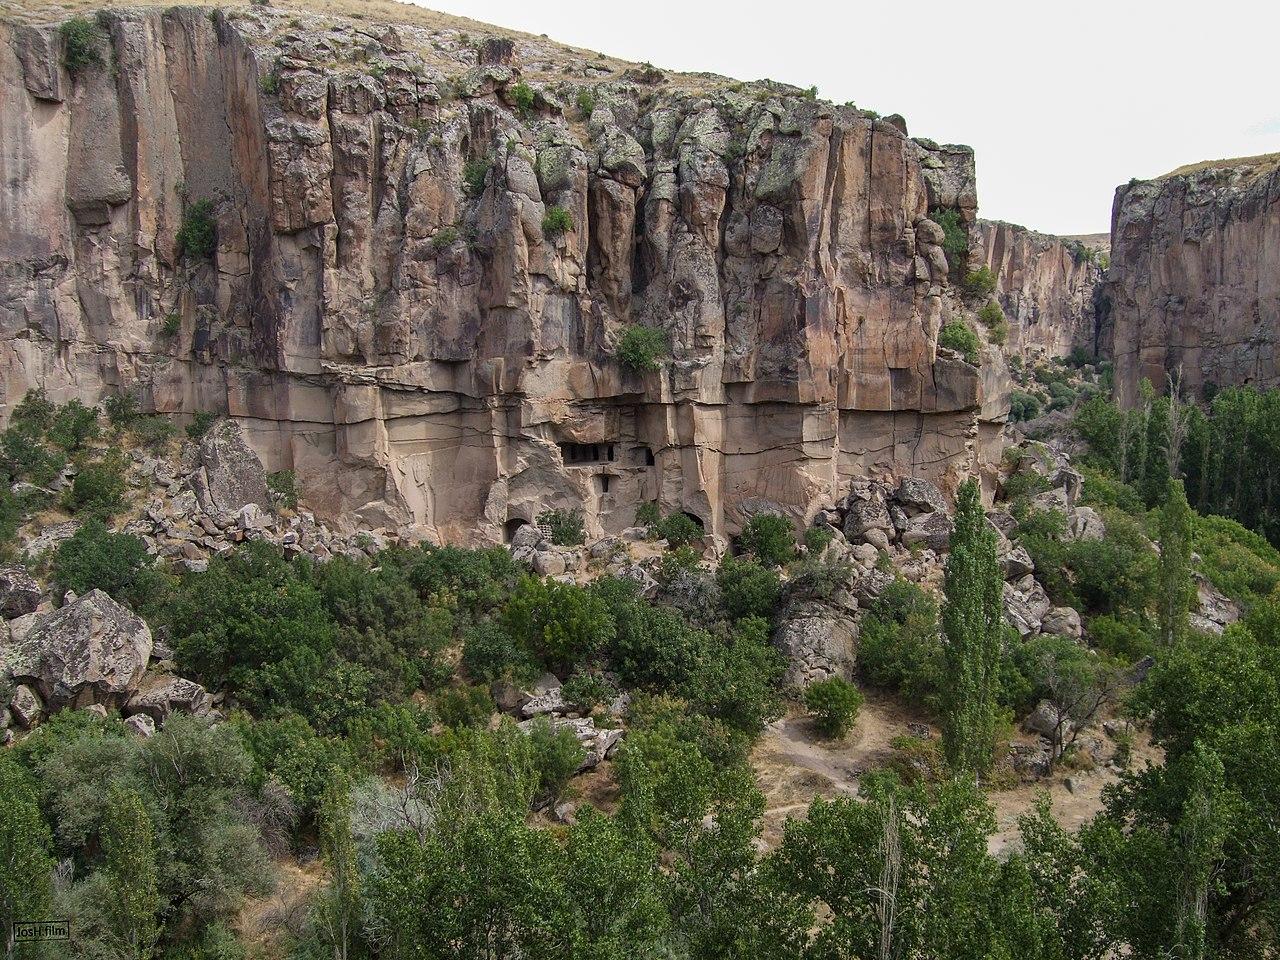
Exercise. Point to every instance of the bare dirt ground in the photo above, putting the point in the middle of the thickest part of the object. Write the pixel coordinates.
(793, 766)
(271, 920)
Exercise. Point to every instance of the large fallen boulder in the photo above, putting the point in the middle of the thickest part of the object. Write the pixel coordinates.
(163, 694)
(818, 642)
(598, 743)
(916, 496)
(229, 475)
(92, 650)
(19, 592)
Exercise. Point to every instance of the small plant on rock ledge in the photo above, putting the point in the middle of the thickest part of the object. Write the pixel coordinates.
(80, 45)
(522, 96)
(172, 324)
(980, 282)
(955, 243)
(992, 317)
(556, 221)
(474, 175)
(564, 527)
(198, 235)
(283, 485)
(200, 424)
(641, 348)
(956, 336)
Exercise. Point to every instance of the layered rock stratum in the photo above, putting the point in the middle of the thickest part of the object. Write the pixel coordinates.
(1044, 284)
(1193, 291)
(430, 238)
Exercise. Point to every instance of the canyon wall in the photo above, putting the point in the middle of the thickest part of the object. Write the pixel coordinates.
(429, 243)
(1193, 289)
(1044, 284)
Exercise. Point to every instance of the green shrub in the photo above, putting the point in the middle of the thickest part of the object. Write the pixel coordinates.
(270, 82)
(474, 175)
(958, 337)
(153, 431)
(200, 423)
(1237, 561)
(955, 243)
(678, 529)
(80, 40)
(586, 102)
(464, 706)
(198, 235)
(557, 754)
(992, 317)
(648, 514)
(490, 653)
(641, 348)
(445, 238)
(556, 220)
(562, 624)
(288, 749)
(98, 490)
(900, 647)
(770, 538)
(588, 690)
(74, 426)
(95, 558)
(1023, 406)
(816, 539)
(121, 409)
(564, 527)
(522, 96)
(34, 414)
(283, 485)
(834, 704)
(1121, 639)
(980, 282)
(747, 588)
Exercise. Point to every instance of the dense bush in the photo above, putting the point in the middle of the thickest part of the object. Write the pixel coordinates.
(121, 409)
(95, 558)
(834, 705)
(97, 490)
(747, 588)
(677, 529)
(992, 317)
(490, 653)
(522, 96)
(561, 624)
(200, 423)
(958, 337)
(283, 485)
(980, 282)
(642, 348)
(198, 234)
(556, 220)
(770, 538)
(1023, 406)
(899, 647)
(73, 426)
(474, 175)
(564, 527)
(556, 756)
(955, 242)
(80, 45)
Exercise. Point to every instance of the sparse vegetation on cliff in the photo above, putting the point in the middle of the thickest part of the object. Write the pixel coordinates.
(642, 348)
(556, 221)
(958, 337)
(81, 45)
(198, 235)
(955, 242)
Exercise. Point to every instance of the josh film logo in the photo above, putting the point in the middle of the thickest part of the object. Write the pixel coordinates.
(40, 931)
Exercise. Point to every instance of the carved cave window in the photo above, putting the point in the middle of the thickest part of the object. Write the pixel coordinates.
(580, 453)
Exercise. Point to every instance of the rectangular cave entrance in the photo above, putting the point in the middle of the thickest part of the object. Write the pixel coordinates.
(576, 454)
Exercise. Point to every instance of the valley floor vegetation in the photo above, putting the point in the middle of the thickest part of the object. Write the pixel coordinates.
(362, 733)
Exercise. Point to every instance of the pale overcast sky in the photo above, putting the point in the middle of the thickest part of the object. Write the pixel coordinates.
(1062, 101)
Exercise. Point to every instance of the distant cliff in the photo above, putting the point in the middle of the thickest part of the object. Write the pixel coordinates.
(403, 257)
(1194, 283)
(1044, 284)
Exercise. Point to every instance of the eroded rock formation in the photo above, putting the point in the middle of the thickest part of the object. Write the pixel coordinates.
(1194, 282)
(1044, 284)
(428, 245)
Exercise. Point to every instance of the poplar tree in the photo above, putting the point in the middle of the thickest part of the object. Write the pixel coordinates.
(1174, 585)
(339, 907)
(971, 624)
(26, 869)
(128, 848)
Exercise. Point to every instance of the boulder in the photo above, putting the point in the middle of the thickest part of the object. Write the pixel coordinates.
(928, 530)
(1062, 622)
(864, 516)
(1084, 523)
(548, 563)
(868, 587)
(916, 496)
(1016, 563)
(818, 642)
(19, 592)
(1018, 612)
(49, 539)
(550, 702)
(1043, 720)
(229, 475)
(25, 706)
(161, 695)
(598, 743)
(638, 575)
(90, 651)
(141, 725)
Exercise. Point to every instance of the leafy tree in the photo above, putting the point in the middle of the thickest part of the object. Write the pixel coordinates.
(1075, 683)
(26, 868)
(560, 623)
(678, 530)
(642, 349)
(129, 861)
(95, 558)
(490, 653)
(121, 409)
(74, 426)
(834, 703)
(900, 645)
(1023, 406)
(747, 588)
(1175, 587)
(770, 538)
(98, 489)
(565, 526)
(972, 618)
(557, 755)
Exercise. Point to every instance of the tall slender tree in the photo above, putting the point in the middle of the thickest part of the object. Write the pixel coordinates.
(128, 847)
(339, 906)
(971, 623)
(1175, 587)
(26, 869)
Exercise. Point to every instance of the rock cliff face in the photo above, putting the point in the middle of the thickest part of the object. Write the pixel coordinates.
(428, 244)
(1194, 282)
(1044, 284)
